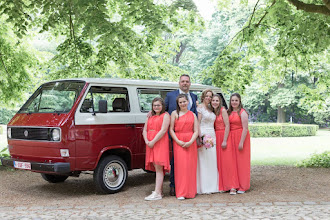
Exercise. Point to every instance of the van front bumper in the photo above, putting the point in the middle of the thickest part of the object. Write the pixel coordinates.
(61, 168)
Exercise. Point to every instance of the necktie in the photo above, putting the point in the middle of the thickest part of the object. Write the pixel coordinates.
(189, 104)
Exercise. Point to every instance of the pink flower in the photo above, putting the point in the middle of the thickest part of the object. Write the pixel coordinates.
(207, 141)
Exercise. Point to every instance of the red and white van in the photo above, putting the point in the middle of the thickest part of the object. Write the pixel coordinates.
(75, 125)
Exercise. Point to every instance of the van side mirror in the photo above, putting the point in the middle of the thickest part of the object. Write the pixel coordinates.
(103, 106)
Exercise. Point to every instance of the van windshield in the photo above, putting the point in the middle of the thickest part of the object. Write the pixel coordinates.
(53, 97)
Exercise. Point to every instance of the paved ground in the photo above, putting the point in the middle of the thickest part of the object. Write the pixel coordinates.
(276, 210)
(276, 193)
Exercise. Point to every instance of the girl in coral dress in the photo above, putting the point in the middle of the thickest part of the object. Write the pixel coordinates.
(226, 155)
(155, 134)
(184, 131)
(240, 140)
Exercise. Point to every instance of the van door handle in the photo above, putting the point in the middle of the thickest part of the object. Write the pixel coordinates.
(131, 125)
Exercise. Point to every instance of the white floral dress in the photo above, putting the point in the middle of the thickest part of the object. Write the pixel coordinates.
(207, 170)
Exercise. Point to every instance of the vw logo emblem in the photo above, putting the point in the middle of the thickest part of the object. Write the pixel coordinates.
(26, 133)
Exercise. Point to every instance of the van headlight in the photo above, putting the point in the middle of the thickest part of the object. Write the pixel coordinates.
(56, 134)
(9, 132)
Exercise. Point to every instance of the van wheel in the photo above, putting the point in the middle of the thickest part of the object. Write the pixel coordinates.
(110, 174)
(54, 178)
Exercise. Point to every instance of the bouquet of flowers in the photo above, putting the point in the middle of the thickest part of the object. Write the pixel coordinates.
(207, 141)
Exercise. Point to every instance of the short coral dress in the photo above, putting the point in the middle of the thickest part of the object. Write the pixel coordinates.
(159, 154)
(185, 159)
(226, 158)
(243, 157)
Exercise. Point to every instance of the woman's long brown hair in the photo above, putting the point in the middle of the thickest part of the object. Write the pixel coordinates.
(218, 110)
(240, 106)
(177, 102)
(161, 100)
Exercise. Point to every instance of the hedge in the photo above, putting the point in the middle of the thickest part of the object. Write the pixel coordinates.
(282, 130)
(316, 160)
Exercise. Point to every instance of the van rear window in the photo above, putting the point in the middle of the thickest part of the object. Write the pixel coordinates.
(147, 95)
(116, 99)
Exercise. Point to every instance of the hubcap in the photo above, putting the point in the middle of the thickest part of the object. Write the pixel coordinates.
(113, 175)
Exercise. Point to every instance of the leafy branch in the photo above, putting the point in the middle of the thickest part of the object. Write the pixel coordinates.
(3, 63)
(313, 8)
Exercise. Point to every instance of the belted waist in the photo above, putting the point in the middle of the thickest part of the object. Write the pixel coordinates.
(183, 132)
(235, 129)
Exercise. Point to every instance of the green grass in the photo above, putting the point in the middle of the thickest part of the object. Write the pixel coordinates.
(287, 150)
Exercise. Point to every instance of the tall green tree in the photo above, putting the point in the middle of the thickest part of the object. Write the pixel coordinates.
(101, 37)
(277, 40)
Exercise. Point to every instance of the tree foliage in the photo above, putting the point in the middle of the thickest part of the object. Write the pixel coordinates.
(101, 37)
(276, 41)
(16, 64)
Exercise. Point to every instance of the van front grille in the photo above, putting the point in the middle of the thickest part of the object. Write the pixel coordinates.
(28, 133)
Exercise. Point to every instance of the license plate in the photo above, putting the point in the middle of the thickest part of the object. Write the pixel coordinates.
(22, 165)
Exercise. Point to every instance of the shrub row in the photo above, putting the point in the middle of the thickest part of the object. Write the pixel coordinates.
(317, 160)
(282, 130)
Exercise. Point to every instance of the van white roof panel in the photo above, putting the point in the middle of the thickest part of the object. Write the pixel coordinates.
(141, 83)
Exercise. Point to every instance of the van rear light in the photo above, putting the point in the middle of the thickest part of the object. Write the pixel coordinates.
(56, 134)
(65, 153)
(9, 132)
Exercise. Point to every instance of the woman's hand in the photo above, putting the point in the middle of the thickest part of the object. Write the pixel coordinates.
(240, 146)
(224, 144)
(151, 144)
(187, 144)
(180, 143)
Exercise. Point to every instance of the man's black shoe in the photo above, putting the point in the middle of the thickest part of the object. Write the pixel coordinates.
(172, 191)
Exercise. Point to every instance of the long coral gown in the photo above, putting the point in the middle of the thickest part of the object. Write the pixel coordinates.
(185, 159)
(226, 158)
(159, 154)
(243, 157)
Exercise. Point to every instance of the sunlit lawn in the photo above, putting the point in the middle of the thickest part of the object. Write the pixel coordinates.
(3, 138)
(288, 151)
(273, 151)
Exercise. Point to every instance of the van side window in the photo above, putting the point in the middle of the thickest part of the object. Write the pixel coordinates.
(116, 99)
(147, 95)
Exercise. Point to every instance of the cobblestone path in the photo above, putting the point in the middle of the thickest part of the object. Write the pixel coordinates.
(146, 210)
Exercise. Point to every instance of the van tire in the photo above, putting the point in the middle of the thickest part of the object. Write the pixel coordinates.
(54, 178)
(110, 174)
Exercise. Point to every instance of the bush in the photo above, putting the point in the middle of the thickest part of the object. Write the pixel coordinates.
(4, 153)
(317, 160)
(282, 130)
(6, 115)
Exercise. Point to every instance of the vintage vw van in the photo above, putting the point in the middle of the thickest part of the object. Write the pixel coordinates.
(75, 125)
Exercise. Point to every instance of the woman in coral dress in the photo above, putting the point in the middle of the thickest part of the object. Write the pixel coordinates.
(184, 131)
(226, 155)
(207, 171)
(240, 140)
(155, 134)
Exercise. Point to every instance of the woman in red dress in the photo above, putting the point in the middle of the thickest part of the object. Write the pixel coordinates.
(155, 134)
(240, 140)
(226, 155)
(184, 131)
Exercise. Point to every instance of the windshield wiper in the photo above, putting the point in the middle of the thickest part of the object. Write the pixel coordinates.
(23, 109)
(55, 111)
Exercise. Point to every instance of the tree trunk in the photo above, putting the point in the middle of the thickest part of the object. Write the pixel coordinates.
(177, 57)
(280, 115)
(280, 110)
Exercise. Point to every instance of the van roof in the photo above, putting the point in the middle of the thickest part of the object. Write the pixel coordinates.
(141, 83)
